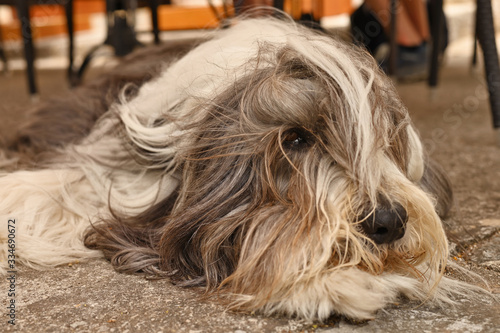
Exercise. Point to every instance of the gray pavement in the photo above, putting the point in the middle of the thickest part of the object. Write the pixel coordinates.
(455, 124)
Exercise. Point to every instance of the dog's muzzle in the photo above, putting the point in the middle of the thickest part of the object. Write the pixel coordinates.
(385, 225)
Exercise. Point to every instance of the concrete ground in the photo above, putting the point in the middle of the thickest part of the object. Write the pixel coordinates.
(455, 125)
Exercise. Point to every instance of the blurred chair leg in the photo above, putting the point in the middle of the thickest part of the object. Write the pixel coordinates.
(153, 5)
(279, 4)
(437, 19)
(68, 7)
(121, 34)
(486, 37)
(29, 51)
(474, 51)
(3, 58)
(393, 55)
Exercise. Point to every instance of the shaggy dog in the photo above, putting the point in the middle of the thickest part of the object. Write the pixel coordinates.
(273, 165)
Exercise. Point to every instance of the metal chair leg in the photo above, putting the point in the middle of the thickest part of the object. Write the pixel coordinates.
(486, 37)
(153, 5)
(68, 7)
(437, 19)
(27, 38)
(3, 58)
(393, 55)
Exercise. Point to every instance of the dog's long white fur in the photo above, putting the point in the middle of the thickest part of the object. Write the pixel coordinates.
(53, 207)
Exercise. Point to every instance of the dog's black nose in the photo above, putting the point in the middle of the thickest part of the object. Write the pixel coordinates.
(385, 225)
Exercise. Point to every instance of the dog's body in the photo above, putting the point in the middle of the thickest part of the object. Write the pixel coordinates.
(273, 164)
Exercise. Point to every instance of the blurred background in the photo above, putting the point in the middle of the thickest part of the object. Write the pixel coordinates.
(72, 39)
(178, 19)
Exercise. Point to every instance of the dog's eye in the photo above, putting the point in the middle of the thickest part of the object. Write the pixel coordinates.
(295, 138)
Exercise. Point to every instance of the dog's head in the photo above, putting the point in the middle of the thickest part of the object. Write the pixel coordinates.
(303, 187)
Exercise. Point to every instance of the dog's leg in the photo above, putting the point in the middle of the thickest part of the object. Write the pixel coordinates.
(351, 292)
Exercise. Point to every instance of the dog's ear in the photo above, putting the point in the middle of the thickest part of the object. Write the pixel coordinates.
(436, 182)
